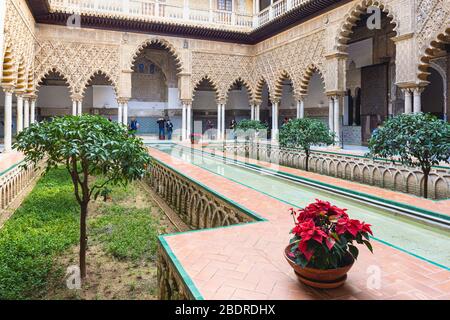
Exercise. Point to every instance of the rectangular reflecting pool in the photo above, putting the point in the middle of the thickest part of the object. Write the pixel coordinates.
(414, 237)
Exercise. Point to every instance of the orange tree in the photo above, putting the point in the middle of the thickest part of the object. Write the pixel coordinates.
(87, 146)
(416, 140)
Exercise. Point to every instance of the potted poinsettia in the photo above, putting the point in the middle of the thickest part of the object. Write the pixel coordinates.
(323, 249)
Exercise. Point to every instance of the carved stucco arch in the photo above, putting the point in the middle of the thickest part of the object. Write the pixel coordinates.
(306, 78)
(245, 83)
(354, 15)
(21, 81)
(283, 75)
(259, 88)
(171, 49)
(427, 53)
(213, 84)
(107, 76)
(58, 71)
(9, 66)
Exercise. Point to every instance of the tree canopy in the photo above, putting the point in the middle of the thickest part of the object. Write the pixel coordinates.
(416, 140)
(304, 133)
(87, 146)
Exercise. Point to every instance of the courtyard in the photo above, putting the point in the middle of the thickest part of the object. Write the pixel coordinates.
(225, 150)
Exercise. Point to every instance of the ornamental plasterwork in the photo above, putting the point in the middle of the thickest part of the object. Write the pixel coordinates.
(19, 38)
(78, 62)
(222, 70)
(293, 60)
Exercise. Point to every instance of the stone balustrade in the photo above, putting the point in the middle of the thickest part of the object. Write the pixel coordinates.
(376, 172)
(13, 181)
(197, 207)
(153, 9)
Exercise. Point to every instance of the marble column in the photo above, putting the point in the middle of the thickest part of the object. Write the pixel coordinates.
(125, 113)
(275, 121)
(219, 121)
(300, 108)
(252, 112)
(189, 120)
(74, 107)
(80, 107)
(32, 110)
(258, 112)
(26, 113)
(337, 119)
(223, 134)
(417, 92)
(19, 117)
(331, 113)
(8, 120)
(408, 100)
(184, 122)
(119, 112)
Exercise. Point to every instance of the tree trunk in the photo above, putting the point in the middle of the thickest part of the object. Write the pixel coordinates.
(83, 239)
(307, 162)
(426, 173)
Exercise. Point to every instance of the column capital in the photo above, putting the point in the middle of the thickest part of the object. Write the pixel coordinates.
(76, 97)
(186, 101)
(8, 89)
(300, 97)
(335, 94)
(122, 100)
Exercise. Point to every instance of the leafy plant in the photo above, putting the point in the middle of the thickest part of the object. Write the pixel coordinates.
(87, 146)
(44, 226)
(246, 125)
(304, 133)
(416, 140)
(324, 236)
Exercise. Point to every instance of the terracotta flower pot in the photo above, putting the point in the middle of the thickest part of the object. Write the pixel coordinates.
(322, 279)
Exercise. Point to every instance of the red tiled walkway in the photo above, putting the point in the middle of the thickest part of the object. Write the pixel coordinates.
(246, 262)
(9, 159)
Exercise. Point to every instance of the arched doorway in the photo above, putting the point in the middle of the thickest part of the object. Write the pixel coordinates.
(288, 105)
(205, 108)
(433, 97)
(54, 97)
(371, 72)
(154, 88)
(100, 95)
(238, 103)
(316, 101)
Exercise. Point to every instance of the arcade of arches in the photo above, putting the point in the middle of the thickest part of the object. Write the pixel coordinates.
(332, 67)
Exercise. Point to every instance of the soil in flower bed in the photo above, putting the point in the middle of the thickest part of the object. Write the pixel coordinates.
(122, 245)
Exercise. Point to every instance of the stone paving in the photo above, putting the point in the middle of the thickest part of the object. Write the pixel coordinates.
(247, 262)
(7, 160)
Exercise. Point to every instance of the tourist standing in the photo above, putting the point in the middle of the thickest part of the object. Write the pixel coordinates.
(161, 125)
(169, 128)
(134, 125)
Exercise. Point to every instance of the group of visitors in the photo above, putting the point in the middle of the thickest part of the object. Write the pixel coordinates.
(165, 126)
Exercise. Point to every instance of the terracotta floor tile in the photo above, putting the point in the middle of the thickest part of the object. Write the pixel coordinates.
(247, 261)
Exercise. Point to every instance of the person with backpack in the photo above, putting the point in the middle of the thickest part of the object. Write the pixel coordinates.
(169, 128)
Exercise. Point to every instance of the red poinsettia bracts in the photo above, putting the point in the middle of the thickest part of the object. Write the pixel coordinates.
(324, 232)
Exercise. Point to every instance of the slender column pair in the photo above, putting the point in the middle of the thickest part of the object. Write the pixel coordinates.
(301, 108)
(77, 106)
(274, 134)
(186, 120)
(334, 116)
(255, 112)
(221, 127)
(8, 119)
(122, 111)
(413, 99)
